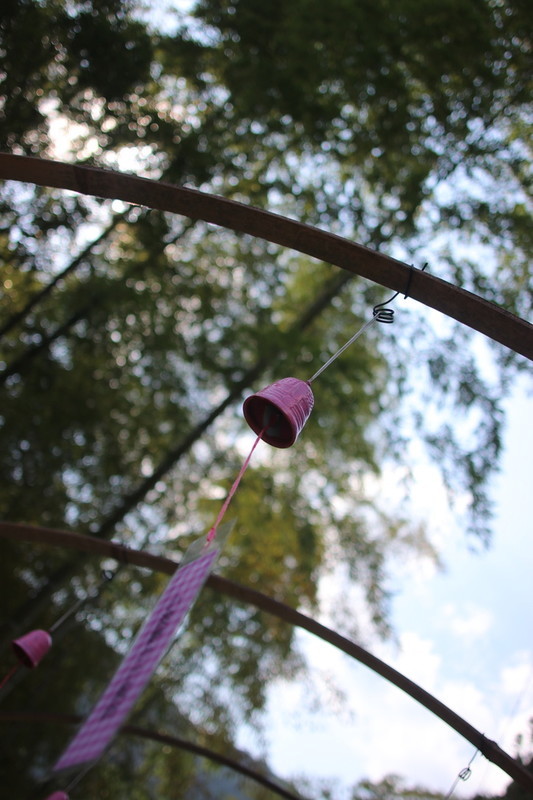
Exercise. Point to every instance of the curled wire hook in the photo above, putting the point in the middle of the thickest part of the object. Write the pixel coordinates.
(379, 314)
(386, 315)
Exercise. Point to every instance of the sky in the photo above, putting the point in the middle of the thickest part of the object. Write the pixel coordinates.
(464, 634)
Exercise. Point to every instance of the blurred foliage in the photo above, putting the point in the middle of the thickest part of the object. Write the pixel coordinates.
(128, 337)
(392, 788)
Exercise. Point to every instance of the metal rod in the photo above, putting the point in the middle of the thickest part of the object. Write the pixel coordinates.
(465, 307)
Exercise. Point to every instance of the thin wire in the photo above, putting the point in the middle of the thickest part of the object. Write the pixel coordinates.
(405, 291)
(77, 778)
(107, 577)
(343, 348)
(463, 776)
(517, 704)
(505, 725)
(379, 314)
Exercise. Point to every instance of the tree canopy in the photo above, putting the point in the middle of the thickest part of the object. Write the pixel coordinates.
(129, 337)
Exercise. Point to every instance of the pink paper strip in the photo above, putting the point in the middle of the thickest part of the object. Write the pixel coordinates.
(140, 663)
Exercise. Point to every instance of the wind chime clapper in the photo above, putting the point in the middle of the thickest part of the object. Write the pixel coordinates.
(278, 413)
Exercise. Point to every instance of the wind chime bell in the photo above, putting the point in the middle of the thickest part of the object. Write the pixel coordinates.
(31, 648)
(280, 411)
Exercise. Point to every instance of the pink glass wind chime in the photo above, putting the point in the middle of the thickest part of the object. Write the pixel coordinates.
(277, 415)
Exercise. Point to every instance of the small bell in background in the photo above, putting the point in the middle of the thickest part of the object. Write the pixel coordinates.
(280, 411)
(31, 648)
(57, 796)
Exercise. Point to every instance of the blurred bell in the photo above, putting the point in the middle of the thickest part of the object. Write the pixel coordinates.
(31, 648)
(280, 410)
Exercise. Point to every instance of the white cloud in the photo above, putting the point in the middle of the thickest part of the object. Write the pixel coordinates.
(419, 658)
(387, 731)
(472, 622)
(517, 676)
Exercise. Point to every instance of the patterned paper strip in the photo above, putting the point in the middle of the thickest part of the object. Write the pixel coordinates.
(139, 664)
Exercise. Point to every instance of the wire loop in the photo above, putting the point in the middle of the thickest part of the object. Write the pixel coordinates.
(385, 315)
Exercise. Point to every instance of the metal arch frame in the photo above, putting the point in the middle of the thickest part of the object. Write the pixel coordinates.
(463, 306)
(161, 738)
(125, 555)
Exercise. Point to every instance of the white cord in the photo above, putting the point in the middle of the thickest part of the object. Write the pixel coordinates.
(383, 315)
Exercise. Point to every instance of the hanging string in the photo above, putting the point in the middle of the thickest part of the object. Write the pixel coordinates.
(64, 795)
(384, 315)
(9, 675)
(503, 728)
(212, 533)
(77, 778)
(379, 314)
(107, 577)
(462, 776)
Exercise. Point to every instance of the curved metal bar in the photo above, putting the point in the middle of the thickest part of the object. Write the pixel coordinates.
(162, 738)
(465, 307)
(126, 555)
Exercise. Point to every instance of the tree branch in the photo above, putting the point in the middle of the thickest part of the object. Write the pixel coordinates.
(19, 316)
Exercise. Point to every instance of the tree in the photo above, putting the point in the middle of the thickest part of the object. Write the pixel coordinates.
(513, 791)
(409, 132)
(128, 336)
(392, 788)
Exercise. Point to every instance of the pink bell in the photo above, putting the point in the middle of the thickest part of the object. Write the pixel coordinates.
(31, 648)
(282, 409)
(57, 796)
